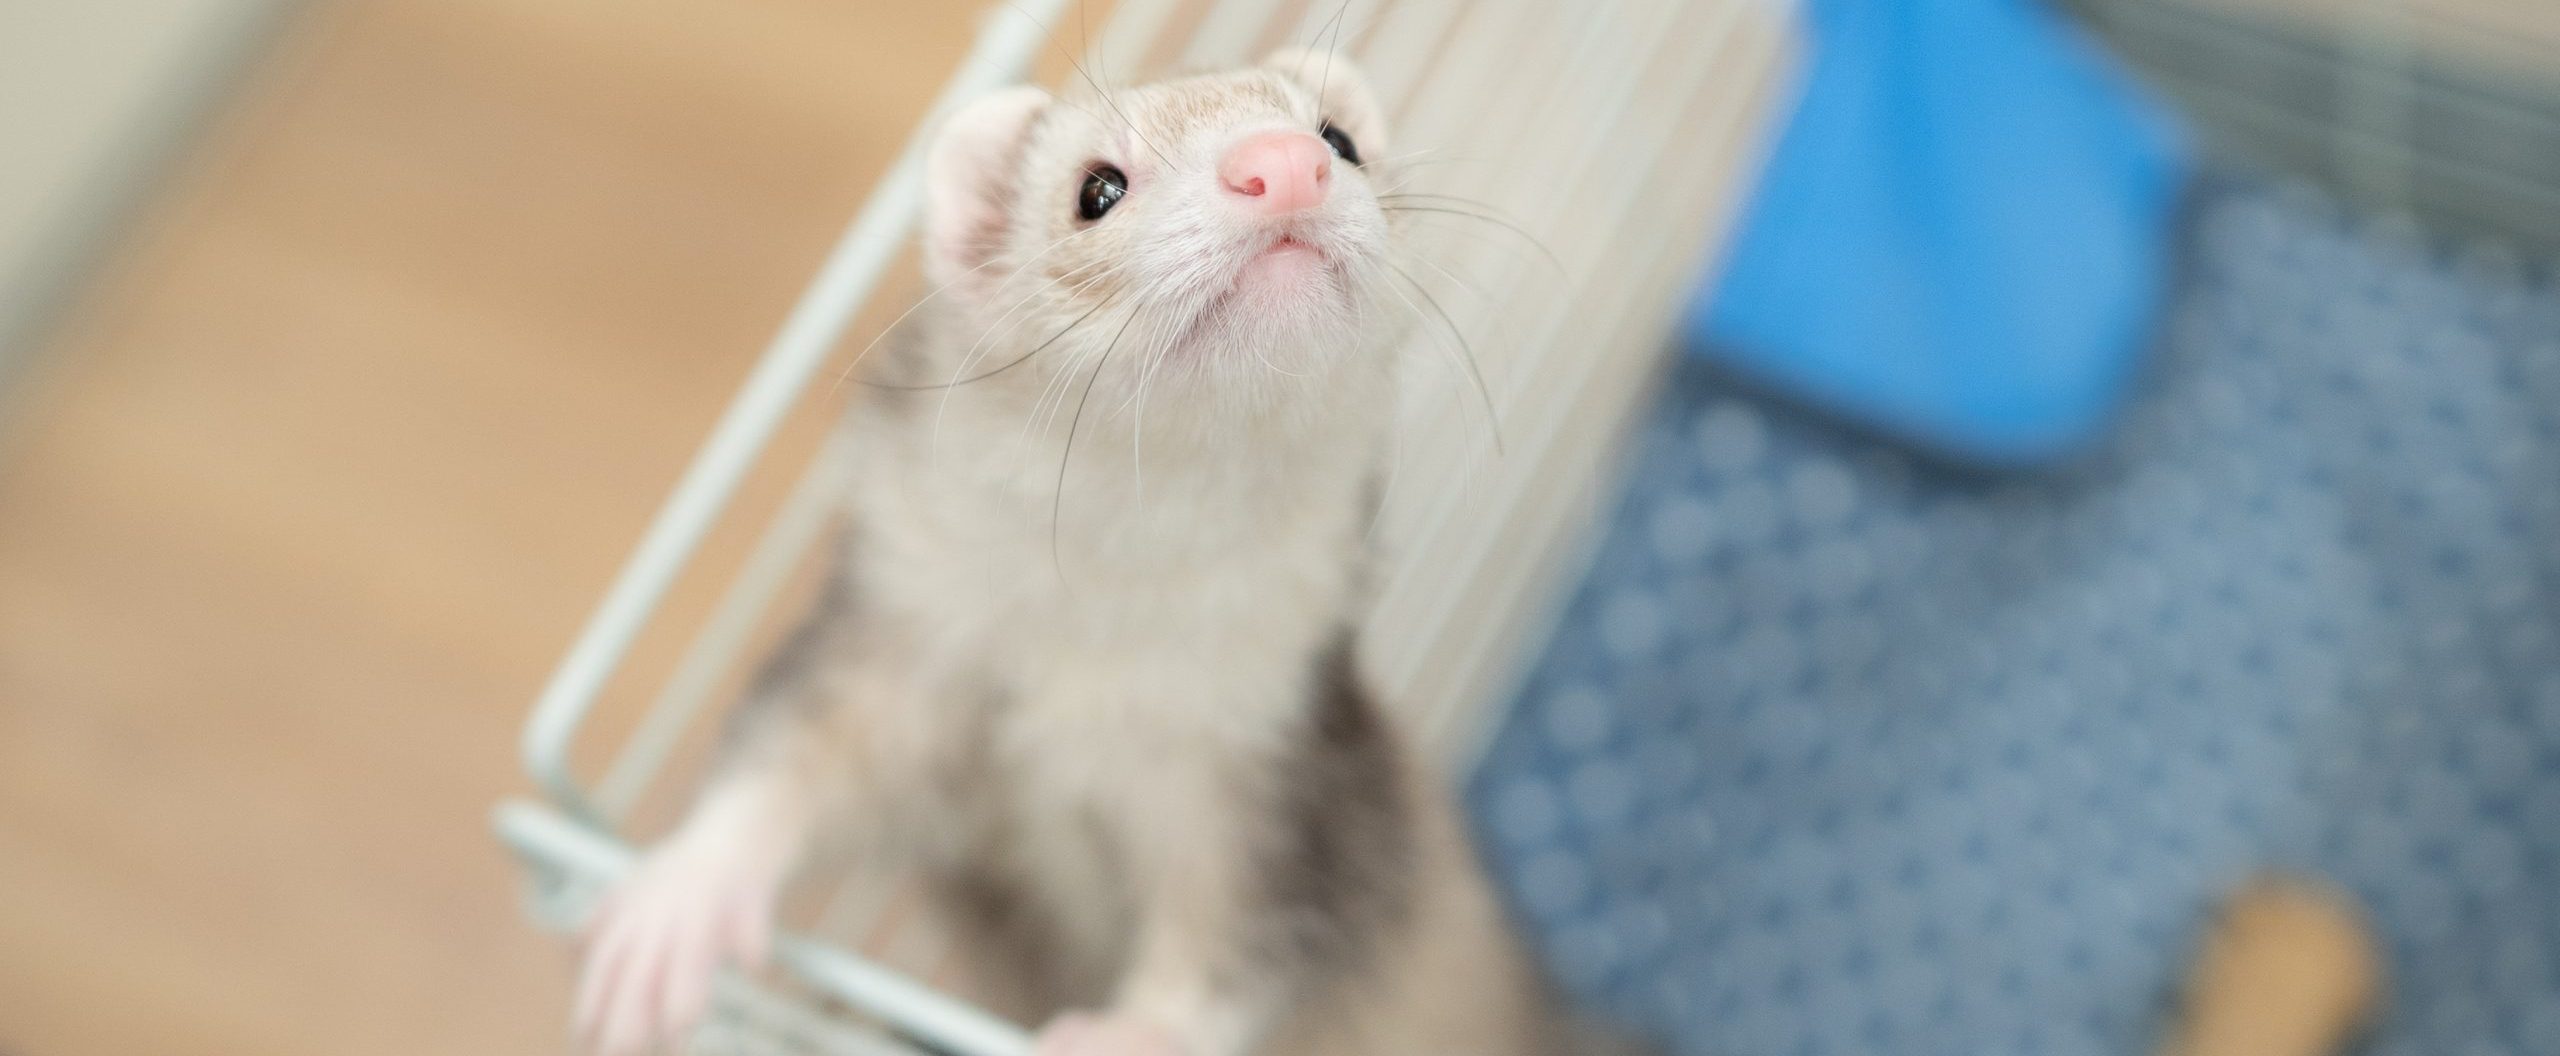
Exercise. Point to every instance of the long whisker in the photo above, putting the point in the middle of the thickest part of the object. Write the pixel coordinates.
(1387, 490)
(971, 360)
(1107, 100)
(938, 291)
(1460, 281)
(1052, 395)
(1138, 433)
(987, 341)
(1275, 368)
(1004, 324)
(1010, 364)
(1425, 156)
(1386, 282)
(1404, 179)
(1501, 308)
(1084, 40)
(1330, 50)
(986, 345)
(1454, 199)
(1466, 352)
(1058, 404)
(1437, 200)
(1533, 240)
(1057, 498)
(1053, 392)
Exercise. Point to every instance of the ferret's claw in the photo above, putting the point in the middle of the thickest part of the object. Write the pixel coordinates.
(659, 940)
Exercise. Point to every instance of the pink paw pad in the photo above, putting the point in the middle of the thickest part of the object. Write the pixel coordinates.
(659, 941)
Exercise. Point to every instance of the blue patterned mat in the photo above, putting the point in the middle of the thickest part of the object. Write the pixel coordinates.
(1839, 753)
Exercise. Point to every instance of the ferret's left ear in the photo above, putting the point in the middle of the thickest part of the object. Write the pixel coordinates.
(968, 180)
(1341, 89)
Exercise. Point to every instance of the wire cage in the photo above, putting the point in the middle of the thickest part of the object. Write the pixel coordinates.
(1926, 759)
(1612, 139)
(2447, 111)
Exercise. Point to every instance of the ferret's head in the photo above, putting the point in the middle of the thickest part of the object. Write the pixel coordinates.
(1209, 229)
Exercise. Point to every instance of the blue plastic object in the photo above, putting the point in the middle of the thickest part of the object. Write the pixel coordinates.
(1961, 236)
(1844, 753)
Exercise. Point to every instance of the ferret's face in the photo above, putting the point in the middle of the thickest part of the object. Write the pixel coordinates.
(1223, 226)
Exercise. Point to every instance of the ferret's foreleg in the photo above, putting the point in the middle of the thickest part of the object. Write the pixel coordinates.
(1200, 980)
(818, 737)
(1267, 870)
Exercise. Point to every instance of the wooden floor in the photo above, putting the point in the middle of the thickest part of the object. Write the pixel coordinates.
(327, 468)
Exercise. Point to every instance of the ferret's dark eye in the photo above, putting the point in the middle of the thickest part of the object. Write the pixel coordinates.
(1341, 143)
(1104, 186)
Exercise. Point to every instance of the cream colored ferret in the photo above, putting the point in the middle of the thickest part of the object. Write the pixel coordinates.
(1087, 660)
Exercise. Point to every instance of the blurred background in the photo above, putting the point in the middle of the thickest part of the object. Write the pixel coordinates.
(345, 347)
(351, 345)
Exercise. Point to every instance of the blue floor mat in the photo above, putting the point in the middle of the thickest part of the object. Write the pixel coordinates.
(1841, 753)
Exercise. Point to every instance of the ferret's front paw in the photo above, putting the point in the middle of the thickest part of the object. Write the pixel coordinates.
(1087, 1034)
(695, 904)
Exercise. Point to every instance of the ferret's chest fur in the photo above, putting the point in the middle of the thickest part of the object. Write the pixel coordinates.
(1160, 634)
(1032, 542)
(1144, 600)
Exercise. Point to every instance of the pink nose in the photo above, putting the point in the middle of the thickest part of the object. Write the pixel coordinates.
(1279, 172)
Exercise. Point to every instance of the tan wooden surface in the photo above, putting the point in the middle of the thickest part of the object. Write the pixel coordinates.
(326, 469)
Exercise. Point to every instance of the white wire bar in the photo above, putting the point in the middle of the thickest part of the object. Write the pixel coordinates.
(946, 1022)
(806, 340)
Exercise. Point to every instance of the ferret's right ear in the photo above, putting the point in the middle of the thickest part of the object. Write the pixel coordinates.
(968, 181)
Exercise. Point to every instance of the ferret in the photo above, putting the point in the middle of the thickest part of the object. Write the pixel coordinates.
(1086, 660)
